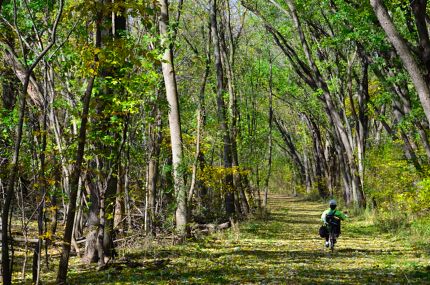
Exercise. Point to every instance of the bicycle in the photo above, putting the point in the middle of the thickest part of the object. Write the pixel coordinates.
(333, 223)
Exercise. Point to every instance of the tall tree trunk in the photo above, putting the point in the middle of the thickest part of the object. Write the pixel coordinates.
(155, 134)
(228, 50)
(270, 123)
(174, 119)
(76, 172)
(74, 183)
(362, 121)
(227, 156)
(5, 259)
(64, 259)
(419, 8)
(201, 118)
(412, 67)
(43, 190)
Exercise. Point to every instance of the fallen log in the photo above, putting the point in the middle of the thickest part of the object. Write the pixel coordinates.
(210, 228)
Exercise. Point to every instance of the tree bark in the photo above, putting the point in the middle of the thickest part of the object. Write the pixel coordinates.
(155, 134)
(412, 67)
(228, 50)
(419, 8)
(74, 185)
(174, 119)
(201, 115)
(227, 154)
(93, 221)
(270, 123)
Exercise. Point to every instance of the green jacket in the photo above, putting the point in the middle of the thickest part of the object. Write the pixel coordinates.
(329, 211)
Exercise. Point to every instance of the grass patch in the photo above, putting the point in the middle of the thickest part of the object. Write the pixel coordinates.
(361, 228)
(418, 234)
(282, 249)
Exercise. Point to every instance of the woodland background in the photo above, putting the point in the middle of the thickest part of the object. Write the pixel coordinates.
(122, 120)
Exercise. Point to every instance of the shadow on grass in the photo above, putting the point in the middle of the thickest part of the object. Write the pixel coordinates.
(295, 266)
(294, 256)
(213, 262)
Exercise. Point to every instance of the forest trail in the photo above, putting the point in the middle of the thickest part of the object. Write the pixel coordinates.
(284, 249)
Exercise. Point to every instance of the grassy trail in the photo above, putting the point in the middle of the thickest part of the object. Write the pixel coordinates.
(285, 249)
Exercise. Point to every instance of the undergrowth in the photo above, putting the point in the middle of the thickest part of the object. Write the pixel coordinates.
(403, 225)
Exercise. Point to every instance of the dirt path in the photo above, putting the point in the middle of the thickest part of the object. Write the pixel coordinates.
(285, 249)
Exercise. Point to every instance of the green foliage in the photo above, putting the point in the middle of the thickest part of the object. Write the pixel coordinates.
(404, 193)
(386, 163)
(391, 220)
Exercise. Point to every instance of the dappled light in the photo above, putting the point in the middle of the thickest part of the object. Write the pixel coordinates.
(283, 249)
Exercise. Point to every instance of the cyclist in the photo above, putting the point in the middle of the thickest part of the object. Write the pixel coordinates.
(329, 214)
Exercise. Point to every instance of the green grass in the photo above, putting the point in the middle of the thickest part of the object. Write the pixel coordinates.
(283, 249)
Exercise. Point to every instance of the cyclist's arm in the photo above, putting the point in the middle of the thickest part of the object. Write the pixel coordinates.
(341, 215)
(323, 217)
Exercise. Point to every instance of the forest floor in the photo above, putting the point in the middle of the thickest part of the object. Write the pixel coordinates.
(283, 249)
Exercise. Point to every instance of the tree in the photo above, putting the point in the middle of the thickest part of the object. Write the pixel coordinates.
(228, 182)
(419, 80)
(174, 118)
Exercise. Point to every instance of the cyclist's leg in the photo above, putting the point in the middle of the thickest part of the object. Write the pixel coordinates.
(337, 230)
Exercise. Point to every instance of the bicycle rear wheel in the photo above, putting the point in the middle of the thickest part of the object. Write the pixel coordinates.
(332, 239)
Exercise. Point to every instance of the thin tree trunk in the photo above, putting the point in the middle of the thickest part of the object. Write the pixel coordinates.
(200, 125)
(40, 210)
(74, 183)
(155, 134)
(228, 52)
(270, 123)
(119, 200)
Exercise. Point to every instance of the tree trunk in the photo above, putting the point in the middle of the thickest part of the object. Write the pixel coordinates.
(93, 221)
(201, 120)
(155, 134)
(419, 8)
(418, 79)
(74, 184)
(174, 119)
(227, 154)
(270, 123)
(43, 190)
